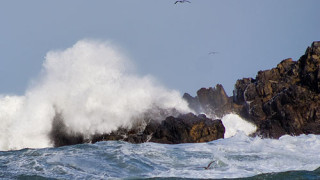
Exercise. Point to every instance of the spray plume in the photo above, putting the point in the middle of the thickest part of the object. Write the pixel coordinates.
(93, 87)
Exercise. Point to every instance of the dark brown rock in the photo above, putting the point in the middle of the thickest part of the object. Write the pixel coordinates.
(240, 87)
(188, 128)
(285, 99)
(213, 97)
(309, 69)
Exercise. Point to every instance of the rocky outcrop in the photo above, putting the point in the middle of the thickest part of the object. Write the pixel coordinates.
(282, 100)
(187, 128)
(285, 99)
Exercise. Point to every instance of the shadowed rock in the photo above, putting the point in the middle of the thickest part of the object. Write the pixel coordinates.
(187, 128)
(193, 102)
(212, 101)
(60, 135)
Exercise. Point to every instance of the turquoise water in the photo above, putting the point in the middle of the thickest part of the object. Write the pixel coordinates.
(236, 157)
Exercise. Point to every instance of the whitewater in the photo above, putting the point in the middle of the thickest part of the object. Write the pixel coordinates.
(97, 90)
(234, 157)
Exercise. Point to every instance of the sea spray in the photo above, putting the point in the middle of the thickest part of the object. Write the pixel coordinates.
(94, 88)
(234, 124)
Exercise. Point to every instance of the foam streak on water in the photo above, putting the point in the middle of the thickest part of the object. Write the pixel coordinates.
(238, 156)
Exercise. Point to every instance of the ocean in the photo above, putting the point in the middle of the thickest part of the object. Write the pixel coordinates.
(240, 157)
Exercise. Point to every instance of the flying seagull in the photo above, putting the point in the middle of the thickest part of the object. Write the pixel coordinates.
(182, 1)
(206, 168)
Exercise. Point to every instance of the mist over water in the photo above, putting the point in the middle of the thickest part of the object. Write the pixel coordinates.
(93, 86)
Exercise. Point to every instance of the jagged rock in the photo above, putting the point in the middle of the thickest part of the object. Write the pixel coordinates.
(309, 68)
(213, 97)
(285, 99)
(211, 101)
(193, 102)
(188, 128)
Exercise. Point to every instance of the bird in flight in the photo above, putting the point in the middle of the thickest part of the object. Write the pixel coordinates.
(182, 1)
(212, 52)
(209, 165)
(206, 168)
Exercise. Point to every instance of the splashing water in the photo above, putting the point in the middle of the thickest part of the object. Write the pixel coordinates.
(95, 89)
(233, 123)
(238, 156)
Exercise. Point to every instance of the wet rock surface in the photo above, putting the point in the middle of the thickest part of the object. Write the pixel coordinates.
(187, 128)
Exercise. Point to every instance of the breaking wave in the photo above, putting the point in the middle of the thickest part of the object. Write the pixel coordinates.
(93, 86)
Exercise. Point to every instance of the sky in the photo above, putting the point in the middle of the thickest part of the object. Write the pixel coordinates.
(171, 42)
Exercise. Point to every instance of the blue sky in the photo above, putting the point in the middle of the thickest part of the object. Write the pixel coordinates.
(170, 42)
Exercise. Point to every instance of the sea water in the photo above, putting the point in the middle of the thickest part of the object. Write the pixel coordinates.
(239, 156)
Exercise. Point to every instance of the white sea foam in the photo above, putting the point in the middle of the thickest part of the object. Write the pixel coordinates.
(233, 123)
(95, 89)
(238, 156)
